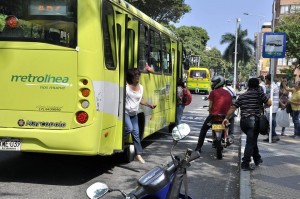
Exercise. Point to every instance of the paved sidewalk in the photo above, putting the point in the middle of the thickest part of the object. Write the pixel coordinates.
(278, 177)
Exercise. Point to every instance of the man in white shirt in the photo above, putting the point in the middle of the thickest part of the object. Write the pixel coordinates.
(275, 106)
(232, 92)
(262, 83)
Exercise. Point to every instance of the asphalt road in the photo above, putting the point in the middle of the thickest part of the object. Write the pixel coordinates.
(59, 176)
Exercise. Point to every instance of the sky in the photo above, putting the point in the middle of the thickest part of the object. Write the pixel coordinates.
(219, 17)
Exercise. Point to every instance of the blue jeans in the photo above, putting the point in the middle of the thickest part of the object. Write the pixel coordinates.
(296, 121)
(249, 126)
(274, 124)
(132, 127)
(179, 113)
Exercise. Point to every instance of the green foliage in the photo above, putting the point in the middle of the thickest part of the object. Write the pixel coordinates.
(289, 73)
(2, 21)
(244, 46)
(194, 38)
(244, 53)
(212, 59)
(290, 24)
(163, 11)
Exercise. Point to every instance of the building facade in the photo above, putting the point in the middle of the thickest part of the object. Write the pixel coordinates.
(282, 8)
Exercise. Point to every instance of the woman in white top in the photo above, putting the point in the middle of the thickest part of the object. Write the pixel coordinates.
(134, 97)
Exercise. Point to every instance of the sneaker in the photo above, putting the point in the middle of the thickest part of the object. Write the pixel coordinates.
(266, 140)
(246, 167)
(258, 162)
(275, 138)
(283, 134)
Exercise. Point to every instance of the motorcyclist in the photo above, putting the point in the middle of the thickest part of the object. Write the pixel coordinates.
(219, 103)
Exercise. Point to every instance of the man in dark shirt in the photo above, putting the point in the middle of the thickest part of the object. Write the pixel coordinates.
(250, 103)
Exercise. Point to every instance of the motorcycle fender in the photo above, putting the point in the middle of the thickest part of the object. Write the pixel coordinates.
(219, 135)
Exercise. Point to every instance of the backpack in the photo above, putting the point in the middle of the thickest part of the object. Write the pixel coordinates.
(187, 97)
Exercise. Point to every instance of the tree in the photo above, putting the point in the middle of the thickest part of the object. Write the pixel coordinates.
(290, 24)
(162, 11)
(244, 46)
(194, 38)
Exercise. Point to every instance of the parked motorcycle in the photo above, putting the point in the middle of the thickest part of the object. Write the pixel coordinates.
(161, 182)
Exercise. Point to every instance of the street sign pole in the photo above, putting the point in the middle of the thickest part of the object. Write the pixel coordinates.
(274, 46)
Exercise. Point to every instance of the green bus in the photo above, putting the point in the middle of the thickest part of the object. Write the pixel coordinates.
(63, 67)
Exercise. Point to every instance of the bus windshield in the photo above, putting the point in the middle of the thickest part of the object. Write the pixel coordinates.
(52, 21)
(198, 74)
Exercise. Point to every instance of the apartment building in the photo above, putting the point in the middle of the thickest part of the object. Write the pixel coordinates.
(282, 8)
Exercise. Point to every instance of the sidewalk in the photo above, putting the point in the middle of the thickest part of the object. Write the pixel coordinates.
(278, 177)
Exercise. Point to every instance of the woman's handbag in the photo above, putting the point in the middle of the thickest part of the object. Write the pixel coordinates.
(264, 126)
(288, 108)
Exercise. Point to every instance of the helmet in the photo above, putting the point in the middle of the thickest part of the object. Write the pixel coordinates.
(217, 81)
(228, 82)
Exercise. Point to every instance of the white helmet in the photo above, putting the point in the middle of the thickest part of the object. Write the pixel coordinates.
(217, 81)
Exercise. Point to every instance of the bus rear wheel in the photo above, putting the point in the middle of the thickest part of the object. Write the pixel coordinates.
(129, 153)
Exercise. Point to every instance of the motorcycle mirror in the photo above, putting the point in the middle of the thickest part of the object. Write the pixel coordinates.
(97, 190)
(180, 131)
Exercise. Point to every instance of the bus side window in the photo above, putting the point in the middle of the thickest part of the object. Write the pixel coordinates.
(108, 36)
(155, 51)
(143, 47)
(166, 56)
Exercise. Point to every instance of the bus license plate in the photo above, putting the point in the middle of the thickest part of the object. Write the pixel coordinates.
(217, 127)
(10, 144)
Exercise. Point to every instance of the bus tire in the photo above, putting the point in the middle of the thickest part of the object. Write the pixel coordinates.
(129, 153)
(171, 127)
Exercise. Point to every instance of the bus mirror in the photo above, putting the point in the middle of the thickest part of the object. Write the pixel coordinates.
(186, 64)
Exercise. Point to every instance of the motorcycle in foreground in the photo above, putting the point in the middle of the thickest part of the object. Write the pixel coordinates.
(161, 182)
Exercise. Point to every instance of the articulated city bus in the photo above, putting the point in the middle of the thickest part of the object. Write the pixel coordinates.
(198, 80)
(63, 67)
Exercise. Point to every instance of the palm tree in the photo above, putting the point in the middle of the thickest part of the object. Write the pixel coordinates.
(244, 46)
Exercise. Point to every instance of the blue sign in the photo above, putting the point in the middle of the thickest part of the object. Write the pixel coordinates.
(274, 45)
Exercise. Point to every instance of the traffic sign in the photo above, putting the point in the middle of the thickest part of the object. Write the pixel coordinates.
(274, 45)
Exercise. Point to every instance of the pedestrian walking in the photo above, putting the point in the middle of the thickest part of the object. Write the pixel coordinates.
(180, 105)
(283, 98)
(249, 104)
(295, 104)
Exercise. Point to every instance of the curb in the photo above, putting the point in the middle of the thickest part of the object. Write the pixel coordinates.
(245, 183)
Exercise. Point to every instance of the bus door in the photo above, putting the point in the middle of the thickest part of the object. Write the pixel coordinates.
(127, 50)
(173, 81)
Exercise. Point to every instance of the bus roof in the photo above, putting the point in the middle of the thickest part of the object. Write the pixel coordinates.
(136, 12)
